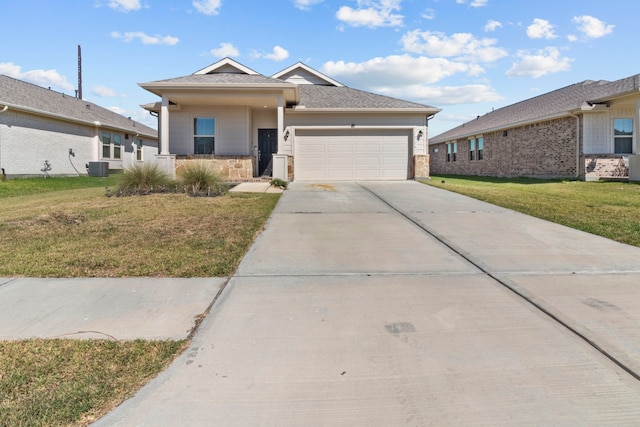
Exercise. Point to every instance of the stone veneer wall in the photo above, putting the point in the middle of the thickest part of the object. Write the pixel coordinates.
(230, 168)
(545, 150)
(420, 166)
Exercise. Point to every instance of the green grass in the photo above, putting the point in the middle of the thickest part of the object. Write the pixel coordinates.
(74, 382)
(68, 227)
(609, 209)
(25, 186)
(82, 233)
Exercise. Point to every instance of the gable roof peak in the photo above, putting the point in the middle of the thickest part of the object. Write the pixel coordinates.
(301, 73)
(227, 66)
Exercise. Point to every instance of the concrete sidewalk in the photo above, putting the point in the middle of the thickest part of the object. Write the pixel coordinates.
(401, 304)
(123, 309)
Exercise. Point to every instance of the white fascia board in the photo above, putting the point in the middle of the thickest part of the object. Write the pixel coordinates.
(309, 70)
(302, 109)
(227, 61)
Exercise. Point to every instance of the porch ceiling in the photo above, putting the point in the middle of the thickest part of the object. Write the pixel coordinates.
(244, 99)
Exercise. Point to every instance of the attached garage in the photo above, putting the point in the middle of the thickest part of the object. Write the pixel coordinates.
(352, 154)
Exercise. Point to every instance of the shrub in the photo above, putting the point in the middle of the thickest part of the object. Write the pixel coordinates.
(199, 180)
(277, 182)
(142, 178)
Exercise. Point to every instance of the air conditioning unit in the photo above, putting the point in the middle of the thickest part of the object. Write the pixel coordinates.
(98, 169)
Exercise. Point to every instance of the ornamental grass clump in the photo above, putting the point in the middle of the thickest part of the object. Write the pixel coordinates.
(145, 178)
(198, 179)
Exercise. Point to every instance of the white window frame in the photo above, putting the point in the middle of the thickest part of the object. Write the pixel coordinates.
(194, 135)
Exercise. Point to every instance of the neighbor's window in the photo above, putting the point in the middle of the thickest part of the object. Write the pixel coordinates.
(454, 155)
(449, 152)
(623, 135)
(204, 135)
(472, 149)
(117, 143)
(480, 155)
(111, 145)
(106, 145)
(138, 149)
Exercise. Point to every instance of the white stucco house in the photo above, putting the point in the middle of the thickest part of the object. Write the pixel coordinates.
(39, 125)
(298, 124)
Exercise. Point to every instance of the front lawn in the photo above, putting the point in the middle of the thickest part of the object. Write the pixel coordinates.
(609, 209)
(68, 227)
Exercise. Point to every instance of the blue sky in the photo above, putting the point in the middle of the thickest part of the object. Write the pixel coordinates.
(463, 56)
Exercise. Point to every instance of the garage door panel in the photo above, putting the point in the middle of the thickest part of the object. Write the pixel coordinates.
(352, 155)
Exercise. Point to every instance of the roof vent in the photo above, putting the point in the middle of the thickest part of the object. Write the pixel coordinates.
(88, 107)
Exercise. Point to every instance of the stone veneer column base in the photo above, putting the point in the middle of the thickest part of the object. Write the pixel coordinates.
(420, 166)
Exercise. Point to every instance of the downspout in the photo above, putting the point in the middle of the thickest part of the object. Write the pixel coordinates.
(578, 147)
(3, 176)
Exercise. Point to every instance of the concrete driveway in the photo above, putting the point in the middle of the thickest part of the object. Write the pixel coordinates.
(401, 304)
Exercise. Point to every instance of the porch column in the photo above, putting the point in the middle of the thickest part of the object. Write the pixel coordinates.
(164, 126)
(280, 123)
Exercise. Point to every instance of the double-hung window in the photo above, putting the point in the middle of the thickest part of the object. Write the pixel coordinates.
(138, 143)
(480, 144)
(111, 145)
(472, 149)
(623, 136)
(452, 151)
(204, 135)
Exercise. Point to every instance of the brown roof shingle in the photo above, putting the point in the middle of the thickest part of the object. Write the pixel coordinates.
(558, 102)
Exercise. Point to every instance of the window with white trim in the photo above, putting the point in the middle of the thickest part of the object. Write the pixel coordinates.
(622, 136)
(111, 145)
(204, 135)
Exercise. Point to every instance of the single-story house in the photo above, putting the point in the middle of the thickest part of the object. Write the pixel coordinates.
(44, 129)
(297, 124)
(586, 131)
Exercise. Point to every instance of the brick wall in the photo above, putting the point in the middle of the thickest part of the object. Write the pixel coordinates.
(546, 149)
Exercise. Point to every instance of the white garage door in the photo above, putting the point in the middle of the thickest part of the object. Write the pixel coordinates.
(348, 155)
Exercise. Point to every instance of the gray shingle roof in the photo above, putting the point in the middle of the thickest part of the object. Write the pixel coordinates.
(332, 97)
(219, 78)
(555, 103)
(19, 94)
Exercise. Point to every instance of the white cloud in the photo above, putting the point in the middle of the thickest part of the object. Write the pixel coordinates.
(279, 54)
(207, 7)
(540, 63)
(492, 25)
(541, 29)
(444, 95)
(372, 14)
(474, 3)
(105, 92)
(44, 78)
(591, 27)
(125, 5)
(394, 71)
(225, 50)
(145, 38)
(305, 4)
(428, 14)
(463, 46)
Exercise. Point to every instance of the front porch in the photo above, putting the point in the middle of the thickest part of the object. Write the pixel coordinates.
(606, 167)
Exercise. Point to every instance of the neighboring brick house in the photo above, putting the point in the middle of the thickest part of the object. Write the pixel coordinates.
(39, 125)
(585, 131)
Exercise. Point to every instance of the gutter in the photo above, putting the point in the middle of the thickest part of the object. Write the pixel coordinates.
(577, 145)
